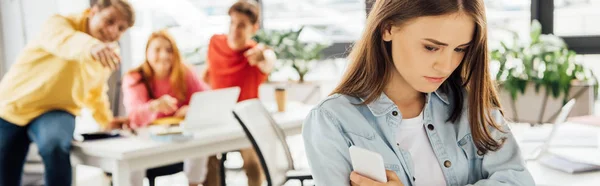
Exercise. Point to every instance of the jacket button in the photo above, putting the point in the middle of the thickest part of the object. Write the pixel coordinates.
(414, 179)
(479, 153)
(447, 164)
(395, 113)
(398, 144)
(430, 127)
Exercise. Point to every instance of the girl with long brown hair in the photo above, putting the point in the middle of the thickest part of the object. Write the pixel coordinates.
(418, 92)
(161, 87)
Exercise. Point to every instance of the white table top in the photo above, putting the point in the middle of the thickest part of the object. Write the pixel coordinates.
(132, 147)
(545, 176)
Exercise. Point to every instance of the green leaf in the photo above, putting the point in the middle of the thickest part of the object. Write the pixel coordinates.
(536, 31)
(560, 67)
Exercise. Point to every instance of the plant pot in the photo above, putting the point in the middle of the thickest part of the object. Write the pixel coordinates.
(535, 108)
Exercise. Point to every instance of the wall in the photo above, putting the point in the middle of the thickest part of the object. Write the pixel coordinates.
(1, 45)
(12, 31)
(21, 20)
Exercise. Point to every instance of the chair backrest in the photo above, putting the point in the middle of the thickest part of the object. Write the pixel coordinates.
(272, 152)
(282, 137)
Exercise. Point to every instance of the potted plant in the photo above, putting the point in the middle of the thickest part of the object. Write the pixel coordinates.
(544, 63)
(274, 39)
(292, 52)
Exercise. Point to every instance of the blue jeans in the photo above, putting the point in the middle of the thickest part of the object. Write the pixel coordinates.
(52, 132)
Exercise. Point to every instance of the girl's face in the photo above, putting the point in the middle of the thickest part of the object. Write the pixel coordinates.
(426, 50)
(160, 55)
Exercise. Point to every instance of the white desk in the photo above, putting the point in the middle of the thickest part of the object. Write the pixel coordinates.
(121, 156)
(545, 176)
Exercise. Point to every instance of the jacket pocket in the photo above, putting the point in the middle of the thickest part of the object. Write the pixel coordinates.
(394, 167)
(473, 156)
(370, 141)
(362, 139)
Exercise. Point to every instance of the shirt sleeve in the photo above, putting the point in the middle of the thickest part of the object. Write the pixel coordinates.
(326, 149)
(504, 167)
(137, 102)
(98, 103)
(60, 38)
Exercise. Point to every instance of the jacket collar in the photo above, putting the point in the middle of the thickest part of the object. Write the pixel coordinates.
(384, 104)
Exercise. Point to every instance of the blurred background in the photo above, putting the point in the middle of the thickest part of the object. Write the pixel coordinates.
(335, 22)
(543, 52)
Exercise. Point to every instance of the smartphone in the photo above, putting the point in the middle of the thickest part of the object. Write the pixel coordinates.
(99, 135)
(368, 163)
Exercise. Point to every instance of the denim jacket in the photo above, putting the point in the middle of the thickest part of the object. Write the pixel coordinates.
(340, 121)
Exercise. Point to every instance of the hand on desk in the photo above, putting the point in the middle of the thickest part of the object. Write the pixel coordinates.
(165, 104)
(358, 180)
(118, 123)
(181, 112)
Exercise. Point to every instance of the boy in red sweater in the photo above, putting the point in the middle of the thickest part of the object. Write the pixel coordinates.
(236, 60)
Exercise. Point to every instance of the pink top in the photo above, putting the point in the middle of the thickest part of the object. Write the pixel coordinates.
(137, 100)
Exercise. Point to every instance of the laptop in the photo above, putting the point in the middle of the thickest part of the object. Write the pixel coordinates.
(570, 160)
(209, 109)
(560, 119)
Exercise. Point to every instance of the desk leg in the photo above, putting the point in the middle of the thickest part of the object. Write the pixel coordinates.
(222, 169)
(121, 175)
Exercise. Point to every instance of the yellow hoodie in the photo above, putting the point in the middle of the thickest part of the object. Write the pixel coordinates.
(56, 71)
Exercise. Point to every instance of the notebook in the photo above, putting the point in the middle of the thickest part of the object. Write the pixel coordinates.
(566, 165)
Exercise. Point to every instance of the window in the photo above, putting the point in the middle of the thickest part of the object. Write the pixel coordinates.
(576, 17)
(506, 16)
(191, 22)
(574, 20)
(340, 21)
(591, 61)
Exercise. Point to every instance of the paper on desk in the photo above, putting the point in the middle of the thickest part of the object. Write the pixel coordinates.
(567, 135)
(588, 120)
(581, 155)
(566, 165)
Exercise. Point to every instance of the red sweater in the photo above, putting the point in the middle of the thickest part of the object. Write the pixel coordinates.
(230, 68)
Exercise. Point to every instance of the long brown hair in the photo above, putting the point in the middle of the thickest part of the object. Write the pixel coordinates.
(178, 69)
(371, 60)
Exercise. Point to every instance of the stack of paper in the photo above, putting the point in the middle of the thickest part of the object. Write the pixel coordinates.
(566, 165)
(566, 135)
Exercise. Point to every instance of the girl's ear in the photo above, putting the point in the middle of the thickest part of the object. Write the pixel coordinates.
(387, 32)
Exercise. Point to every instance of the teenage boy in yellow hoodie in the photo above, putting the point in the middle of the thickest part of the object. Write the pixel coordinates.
(62, 70)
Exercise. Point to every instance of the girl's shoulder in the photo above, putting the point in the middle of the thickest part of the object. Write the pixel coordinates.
(131, 78)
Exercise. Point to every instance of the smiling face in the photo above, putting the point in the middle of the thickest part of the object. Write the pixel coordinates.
(426, 50)
(160, 55)
(107, 24)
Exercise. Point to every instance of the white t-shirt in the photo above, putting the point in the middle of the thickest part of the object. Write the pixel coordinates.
(411, 136)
